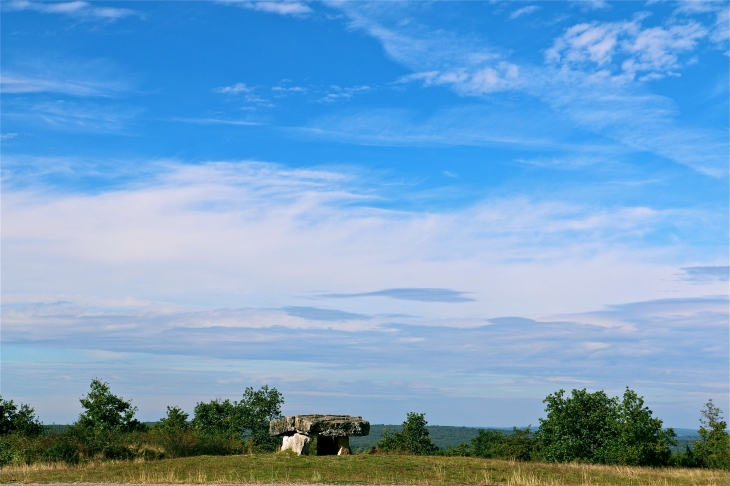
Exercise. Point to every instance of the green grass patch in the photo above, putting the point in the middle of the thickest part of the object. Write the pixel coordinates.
(356, 469)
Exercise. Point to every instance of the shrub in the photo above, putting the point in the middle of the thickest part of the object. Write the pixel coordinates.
(217, 417)
(18, 420)
(521, 445)
(104, 411)
(7, 454)
(246, 419)
(175, 419)
(713, 448)
(257, 408)
(591, 427)
(638, 438)
(413, 438)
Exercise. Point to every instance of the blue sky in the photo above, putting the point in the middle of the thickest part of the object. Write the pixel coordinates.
(445, 207)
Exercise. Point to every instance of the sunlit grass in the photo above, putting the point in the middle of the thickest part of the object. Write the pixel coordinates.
(359, 469)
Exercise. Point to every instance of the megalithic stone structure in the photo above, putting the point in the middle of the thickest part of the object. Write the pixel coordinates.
(331, 431)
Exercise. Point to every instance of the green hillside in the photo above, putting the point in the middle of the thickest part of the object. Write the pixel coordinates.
(446, 436)
(443, 436)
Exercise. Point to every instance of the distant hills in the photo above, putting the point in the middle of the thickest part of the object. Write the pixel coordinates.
(444, 436)
(448, 436)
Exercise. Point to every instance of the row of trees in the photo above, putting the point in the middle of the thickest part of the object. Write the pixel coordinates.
(582, 427)
(108, 428)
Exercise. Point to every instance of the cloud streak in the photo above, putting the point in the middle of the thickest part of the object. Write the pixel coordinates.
(281, 7)
(415, 294)
(705, 274)
(523, 11)
(580, 79)
(291, 231)
(78, 9)
(637, 344)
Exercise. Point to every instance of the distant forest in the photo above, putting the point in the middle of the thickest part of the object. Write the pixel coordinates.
(445, 436)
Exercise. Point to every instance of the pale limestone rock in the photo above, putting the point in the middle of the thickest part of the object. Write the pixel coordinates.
(298, 443)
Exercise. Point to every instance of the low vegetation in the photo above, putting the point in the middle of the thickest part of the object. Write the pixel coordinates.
(585, 438)
(108, 430)
(388, 469)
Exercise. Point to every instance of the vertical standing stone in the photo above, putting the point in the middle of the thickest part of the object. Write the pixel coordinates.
(298, 443)
(343, 445)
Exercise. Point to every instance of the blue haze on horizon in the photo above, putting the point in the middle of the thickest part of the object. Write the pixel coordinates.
(377, 207)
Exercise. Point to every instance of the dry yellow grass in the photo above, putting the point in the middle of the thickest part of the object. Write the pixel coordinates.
(359, 469)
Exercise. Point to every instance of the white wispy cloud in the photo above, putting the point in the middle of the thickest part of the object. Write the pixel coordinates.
(592, 77)
(636, 118)
(17, 84)
(194, 230)
(74, 115)
(78, 9)
(233, 89)
(337, 93)
(625, 48)
(281, 7)
(244, 92)
(470, 125)
(524, 11)
(216, 121)
(499, 77)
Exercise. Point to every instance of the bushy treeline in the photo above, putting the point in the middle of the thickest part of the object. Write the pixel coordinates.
(582, 427)
(108, 429)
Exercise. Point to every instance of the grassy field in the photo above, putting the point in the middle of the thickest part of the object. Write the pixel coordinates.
(358, 469)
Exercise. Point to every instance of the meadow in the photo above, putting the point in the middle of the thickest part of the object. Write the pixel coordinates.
(356, 469)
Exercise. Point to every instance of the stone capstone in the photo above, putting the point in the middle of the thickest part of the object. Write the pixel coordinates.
(320, 425)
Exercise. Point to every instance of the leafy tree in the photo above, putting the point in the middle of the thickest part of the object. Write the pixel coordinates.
(218, 417)
(248, 418)
(175, 419)
(521, 445)
(713, 448)
(576, 427)
(106, 412)
(592, 427)
(256, 409)
(20, 420)
(639, 438)
(487, 443)
(413, 438)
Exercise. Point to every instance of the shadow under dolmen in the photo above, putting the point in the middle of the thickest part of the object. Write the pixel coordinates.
(331, 431)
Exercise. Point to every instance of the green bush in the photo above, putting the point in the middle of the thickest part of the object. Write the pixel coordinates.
(413, 438)
(104, 411)
(7, 454)
(175, 419)
(713, 448)
(593, 428)
(247, 419)
(107, 429)
(217, 418)
(18, 420)
(521, 445)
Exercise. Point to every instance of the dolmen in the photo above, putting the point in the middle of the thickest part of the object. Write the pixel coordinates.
(331, 431)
